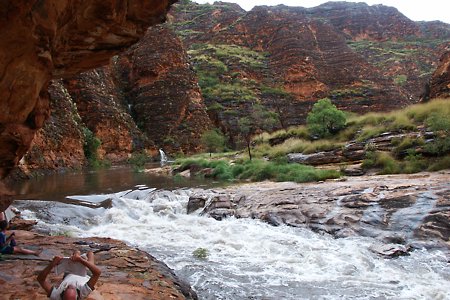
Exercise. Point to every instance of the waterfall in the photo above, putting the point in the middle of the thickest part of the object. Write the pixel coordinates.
(164, 159)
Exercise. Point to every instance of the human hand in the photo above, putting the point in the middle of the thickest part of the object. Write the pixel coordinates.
(56, 260)
(76, 257)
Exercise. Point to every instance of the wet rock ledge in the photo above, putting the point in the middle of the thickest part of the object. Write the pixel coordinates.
(127, 273)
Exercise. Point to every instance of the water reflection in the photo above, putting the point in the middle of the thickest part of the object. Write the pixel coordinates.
(56, 187)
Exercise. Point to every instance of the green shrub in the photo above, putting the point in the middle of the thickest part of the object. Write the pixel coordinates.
(382, 160)
(402, 145)
(200, 253)
(325, 119)
(438, 147)
(388, 164)
(138, 160)
(213, 140)
(400, 79)
(439, 123)
(258, 170)
(370, 160)
(91, 144)
(216, 107)
(413, 162)
(420, 112)
(369, 131)
(400, 122)
(441, 163)
(99, 164)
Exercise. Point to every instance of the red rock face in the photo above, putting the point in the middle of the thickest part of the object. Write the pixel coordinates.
(55, 38)
(364, 58)
(145, 99)
(97, 101)
(160, 89)
(360, 21)
(59, 144)
(440, 81)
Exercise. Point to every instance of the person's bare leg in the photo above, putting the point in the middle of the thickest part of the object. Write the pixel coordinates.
(19, 250)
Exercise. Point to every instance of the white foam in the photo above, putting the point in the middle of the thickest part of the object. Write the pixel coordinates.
(248, 258)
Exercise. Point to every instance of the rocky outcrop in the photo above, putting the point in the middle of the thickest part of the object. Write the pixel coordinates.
(143, 100)
(59, 144)
(360, 56)
(102, 112)
(127, 273)
(361, 21)
(57, 38)
(355, 151)
(439, 86)
(412, 210)
(161, 91)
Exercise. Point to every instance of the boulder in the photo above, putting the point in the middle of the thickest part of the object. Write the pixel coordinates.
(390, 250)
(127, 273)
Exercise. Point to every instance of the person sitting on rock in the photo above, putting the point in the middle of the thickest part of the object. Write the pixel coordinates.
(8, 244)
(74, 286)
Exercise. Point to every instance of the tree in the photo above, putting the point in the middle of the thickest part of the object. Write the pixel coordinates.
(260, 119)
(325, 119)
(90, 145)
(213, 140)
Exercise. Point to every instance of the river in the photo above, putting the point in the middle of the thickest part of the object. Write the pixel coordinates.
(245, 258)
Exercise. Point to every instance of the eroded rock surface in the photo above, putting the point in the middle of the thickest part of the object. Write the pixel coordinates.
(364, 58)
(127, 273)
(440, 81)
(161, 90)
(403, 209)
(49, 39)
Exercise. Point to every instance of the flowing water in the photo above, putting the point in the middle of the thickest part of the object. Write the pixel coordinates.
(246, 259)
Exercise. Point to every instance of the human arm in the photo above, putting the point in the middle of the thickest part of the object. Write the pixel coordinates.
(10, 237)
(42, 277)
(96, 272)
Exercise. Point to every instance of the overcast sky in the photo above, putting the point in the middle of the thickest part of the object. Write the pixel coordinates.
(417, 10)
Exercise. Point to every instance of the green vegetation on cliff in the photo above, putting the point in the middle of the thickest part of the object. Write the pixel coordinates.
(409, 140)
(413, 52)
(218, 68)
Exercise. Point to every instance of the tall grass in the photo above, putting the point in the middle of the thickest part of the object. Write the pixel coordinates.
(294, 145)
(259, 170)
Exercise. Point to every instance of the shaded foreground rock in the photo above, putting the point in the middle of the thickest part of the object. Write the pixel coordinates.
(127, 273)
(396, 209)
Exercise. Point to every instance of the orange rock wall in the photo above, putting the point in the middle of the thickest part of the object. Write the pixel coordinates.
(49, 39)
(440, 81)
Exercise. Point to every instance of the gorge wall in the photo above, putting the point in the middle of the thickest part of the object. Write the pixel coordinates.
(212, 64)
(439, 86)
(145, 99)
(49, 39)
(364, 58)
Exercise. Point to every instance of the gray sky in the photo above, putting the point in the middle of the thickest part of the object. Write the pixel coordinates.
(417, 10)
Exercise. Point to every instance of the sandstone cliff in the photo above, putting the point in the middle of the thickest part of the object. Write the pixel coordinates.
(98, 103)
(160, 89)
(365, 58)
(42, 40)
(59, 144)
(439, 86)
